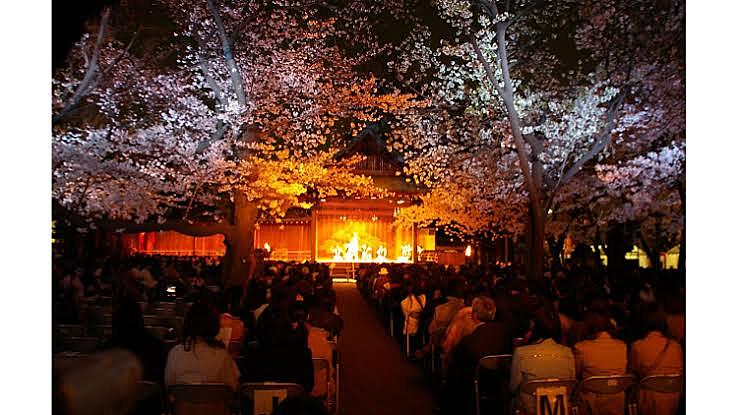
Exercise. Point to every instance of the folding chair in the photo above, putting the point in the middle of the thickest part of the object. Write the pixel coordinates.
(102, 331)
(162, 333)
(182, 308)
(81, 344)
(166, 307)
(610, 385)
(337, 368)
(203, 398)
(144, 306)
(152, 320)
(492, 362)
(663, 383)
(265, 396)
(536, 389)
(70, 330)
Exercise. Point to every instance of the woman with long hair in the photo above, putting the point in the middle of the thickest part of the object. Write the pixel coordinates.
(200, 357)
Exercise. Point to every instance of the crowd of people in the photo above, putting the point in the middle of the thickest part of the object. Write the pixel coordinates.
(269, 332)
(572, 324)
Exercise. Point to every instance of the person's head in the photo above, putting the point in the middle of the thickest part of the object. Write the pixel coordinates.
(483, 309)
(597, 320)
(654, 319)
(544, 325)
(298, 312)
(128, 320)
(456, 288)
(202, 323)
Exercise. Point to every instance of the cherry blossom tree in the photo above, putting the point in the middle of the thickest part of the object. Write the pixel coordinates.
(571, 80)
(239, 116)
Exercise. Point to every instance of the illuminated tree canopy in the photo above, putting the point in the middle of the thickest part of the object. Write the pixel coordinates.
(538, 118)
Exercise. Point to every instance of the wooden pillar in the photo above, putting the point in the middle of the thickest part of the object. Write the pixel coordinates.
(415, 243)
(313, 234)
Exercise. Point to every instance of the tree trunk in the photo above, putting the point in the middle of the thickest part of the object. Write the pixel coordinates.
(555, 248)
(683, 243)
(240, 242)
(651, 251)
(615, 250)
(536, 251)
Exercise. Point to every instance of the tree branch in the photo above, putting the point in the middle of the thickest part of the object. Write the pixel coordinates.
(487, 67)
(235, 74)
(84, 85)
(604, 139)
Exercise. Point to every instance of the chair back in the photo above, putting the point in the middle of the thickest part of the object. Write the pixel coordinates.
(70, 330)
(265, 396)
(102, 331)
(144, 306)
(183, 308)
(321, 373)
(81, 344)
(166, 307)
(493, 362)
(663, 383)
(152, 320)
(607, 385)
(162, 333)
(548, 403)
(204, 398)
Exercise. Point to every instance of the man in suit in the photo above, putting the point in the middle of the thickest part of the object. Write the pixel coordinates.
(489, 337)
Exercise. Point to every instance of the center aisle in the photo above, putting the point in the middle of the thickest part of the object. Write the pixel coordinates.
(375, 377)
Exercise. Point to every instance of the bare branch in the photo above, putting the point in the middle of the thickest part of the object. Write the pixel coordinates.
(602, 141)
(84, 85)
(235, 73)
(487, 67)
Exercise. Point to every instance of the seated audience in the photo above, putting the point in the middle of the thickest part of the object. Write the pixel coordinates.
(282, 354)
(129, 333)
(200, 358)
(541, 358)
(656, 354)
(601, 355)
(231, 327)
(489, 337)
(412, 308)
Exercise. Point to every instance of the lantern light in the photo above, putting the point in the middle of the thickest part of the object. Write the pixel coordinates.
(468, 251)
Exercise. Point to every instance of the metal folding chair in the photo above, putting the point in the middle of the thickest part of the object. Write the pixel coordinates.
(265, 396)
(663, 383)
(166, 307)
(611, 385)
(162, 333)
(492, 362)
(70, 330)
(337, 368)
(204, 398)
(101, 331)
(533, 387)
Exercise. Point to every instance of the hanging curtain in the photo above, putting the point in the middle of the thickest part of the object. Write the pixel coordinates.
(172, 243)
